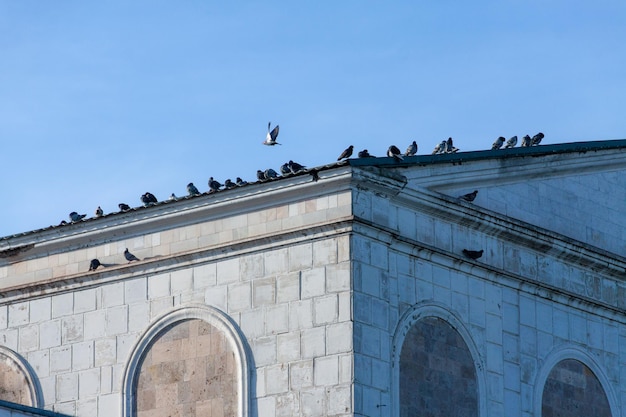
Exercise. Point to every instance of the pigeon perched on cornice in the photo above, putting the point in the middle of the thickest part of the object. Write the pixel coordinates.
(284, 169)
(123, 206)
(394, 152)
(536, 140)
(498, 143)
(347, 153)
(270, 173)
(314, 174)
(473, 254)
(525, 141)
(469, 196)
(94, 264)
(228, 184)
(411, 150)
(450, 146)
(173, 197)
(148, 199)
(240, 182)
(99, 212)
(364, 154)
(214, 185)
(439, 148)
(75, 217)
(129, 256)
(192, 190)
(260, 175)
(295, 167)
(270, 138)
(511, 142)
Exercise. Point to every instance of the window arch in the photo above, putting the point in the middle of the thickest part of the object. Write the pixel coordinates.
(193, 360)
(434, 355)
(19, 383)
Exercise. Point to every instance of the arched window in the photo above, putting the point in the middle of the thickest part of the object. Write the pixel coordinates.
(18, 383)
(191, 362)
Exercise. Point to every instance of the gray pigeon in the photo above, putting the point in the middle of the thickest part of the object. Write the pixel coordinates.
(536, 140)
(440, 148)
(498, 143)
(260, 175)
(295, 167)
(214, 185)
(123, 206)
(192, 190)
(525, 141)
(270, 138)
(228, 184)
(411, 150)
(270, 173)
(511, 142)
(75, 217)
(240, 182)
(394, 152)
(129, 256)
(347, 153)
(284, 169)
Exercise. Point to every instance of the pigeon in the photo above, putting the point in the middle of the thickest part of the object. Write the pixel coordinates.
(450, 147)
(214, 185)
(192, 190)
(129, 256)
(240, 182)
(270, 173)
(173, 197)
(498, 143)
(295, 167)
(284, 169)
(228, 184)
(511, 142)
(470, 196)
(63, 223)
(536, 140)
(473, 254)
(148, 199)
(314, 174)
(364, 154)
(270, 139)
(395, 153)
(346, 154)
(440, 148)
(75, 217)
(525, 141)
(260, 175)
(99, 212)
(411, 150)
(94, 264)
(123, 206)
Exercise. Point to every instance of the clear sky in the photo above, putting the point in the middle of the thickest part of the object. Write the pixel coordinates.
(103, 101)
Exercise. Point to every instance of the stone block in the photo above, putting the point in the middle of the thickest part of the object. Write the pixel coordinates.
(276, 262)
(29, 338)
(251, 266)
(109, 405)
(9, 338)
(288, 347)
(116, 320)
(19, 314)
(138, 316)
(82, 355)
(345, 369)
(159, 286)
(40, 310)
(338, 277)
(288, 287)
(216, 297)
(135, 290)
(85, 300)
(313, 342)
(300, 257)
(113, 294)
(105, 352)
(326, 370)
(300, 315)
(60, 359)
(50, 334)
(263, 292)
(67, 387)
(253, 323)
(264, 350)
(40, 362)
(325, 310)
(277, 319)
(339, 338)
(205, 276)
(86, 407)
(325, 252)
(4, 317)
(228, 271)
(94, 324)
(313, 402)
(276, 379)
(72, 329)
(239, 296)
(267, 406)
(313, 283)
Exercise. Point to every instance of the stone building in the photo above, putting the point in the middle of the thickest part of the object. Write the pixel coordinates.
(346, 296)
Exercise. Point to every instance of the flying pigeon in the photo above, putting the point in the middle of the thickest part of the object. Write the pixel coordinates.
(94, 264)
(450, 146)
(270, 173)
(473, 254)
(394, 152)
(228, 184)
(129, 256)
(214, 185)
(284, 169)
(123, 206)
(260, 175)
(440, 148)
(364, 154)
(240, 182)
(498, 143)
(536, 140)
(411, 150)
(526, 141)
(192, 190)
(295, 167)
(511, 142)
(470, 196)
(75, 217)
(270, 139)
(99, 212)
(346, 154)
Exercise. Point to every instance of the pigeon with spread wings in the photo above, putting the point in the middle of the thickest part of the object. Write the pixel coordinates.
(270, 138)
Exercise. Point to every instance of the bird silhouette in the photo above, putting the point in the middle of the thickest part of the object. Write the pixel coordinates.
(192, 190)
(99, 212)
(469, 196)
(364, 154)
(240, 182)
(75, 217)
(270, 138)
(411, 150)
(270, 173)
(94, 264)
(214, 185)
(497, 144)
(123, 206)
(511, 142)
(260, 175)
(314, 174)
(295, 167)
(228, 184)
(525, 141)
(536, 140)
(473, 254)
(284, 169)
(148, 199)
(347, 153)
(440, 147)
(450, 146)
(129, 256)
(394, 152)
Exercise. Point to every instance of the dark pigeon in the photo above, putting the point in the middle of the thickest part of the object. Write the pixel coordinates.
(536, 140)
(347, 153)
(473, 254)
(314, 173)
(228, 184)
(148, 199)
(411, 150)
(526, 141)
(75, 217)
(123, 206)
(284, 169)
(214, 185)
(498, 143)
(364, 154)
(129, 256)
(192, 190)
(450, 146)
(270, 173)
(511, 142)
(260, 175)
(394, 152)
(440, 148)
(94, 264)
(99, 212)
(240, 182)
(295, 167)
(470, 196)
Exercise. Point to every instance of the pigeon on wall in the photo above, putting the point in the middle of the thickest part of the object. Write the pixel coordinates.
(511, 142)
(295, 167)
(99, 212)
(470, 196)
(129, 256)
(148, 199)
(347, 153)
(450, 146)
(473, 254)
(214, 185)
(439, 148)
(270, 138)
(173, 197)
(192, 190)
(75, 217)
(536, 140)
(314, 174)
(260, 175)
(364, 154)
(284, 169)
(228, 184)
(240, 182)
(525, 141)
(411, 150)
(94, 264)
(270, 173)
(394, 152)
(498, 143)
(123, 206)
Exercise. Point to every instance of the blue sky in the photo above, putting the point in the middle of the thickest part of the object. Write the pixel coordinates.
(103, 101)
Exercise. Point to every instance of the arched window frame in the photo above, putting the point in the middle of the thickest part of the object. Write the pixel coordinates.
(406, 322)
(22, 364)
(215, 318)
